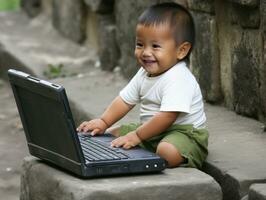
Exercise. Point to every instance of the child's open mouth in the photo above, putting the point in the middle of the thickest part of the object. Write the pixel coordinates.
(149, 62)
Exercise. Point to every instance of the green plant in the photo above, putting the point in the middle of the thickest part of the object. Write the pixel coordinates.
(6, 5)
(54, 71)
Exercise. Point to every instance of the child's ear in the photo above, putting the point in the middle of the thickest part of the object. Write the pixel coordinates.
(183, 50)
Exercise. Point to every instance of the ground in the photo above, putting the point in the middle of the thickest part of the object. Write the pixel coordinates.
(12, 145)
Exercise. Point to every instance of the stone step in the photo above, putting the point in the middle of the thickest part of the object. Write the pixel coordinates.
(257, 192)
(179, 183)
(35, 47)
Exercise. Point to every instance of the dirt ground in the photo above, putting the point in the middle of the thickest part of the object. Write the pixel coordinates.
(12, 145)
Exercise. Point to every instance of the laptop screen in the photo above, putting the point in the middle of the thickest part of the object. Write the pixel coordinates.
(45, 119)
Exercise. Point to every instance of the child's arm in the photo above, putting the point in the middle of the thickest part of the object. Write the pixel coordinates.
(156, 125)
(114, 112)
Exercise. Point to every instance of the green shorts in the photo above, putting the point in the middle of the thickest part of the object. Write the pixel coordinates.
(192, 143)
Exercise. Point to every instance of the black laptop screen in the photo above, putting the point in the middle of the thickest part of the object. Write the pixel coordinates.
(45, 121)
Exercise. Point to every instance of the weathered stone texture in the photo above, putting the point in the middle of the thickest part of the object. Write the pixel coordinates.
(106, 32)
(181, 2)
(69, 19)
(47, 7)
(202, 6)
(32, 7)
(100, 6)
(205, 57)
(225, 37)
(179, 183)
(248, 3)
(246, 77)
(245, 16)
(108, 47)
(92, 30)
(7, 60)
(263, 62)
(245, 198)
(257, 192)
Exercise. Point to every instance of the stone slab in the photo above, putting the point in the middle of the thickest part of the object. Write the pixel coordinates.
(246, 17)
(246, 74)
(203, 6)
(205, 57)
(236, 151)
(248, 3)
(257, 192)
(32, 7)
(69, 19)
(33, 44)
(100, 6)
(179, 183)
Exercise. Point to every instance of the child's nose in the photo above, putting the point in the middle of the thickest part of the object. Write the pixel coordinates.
(147, 52)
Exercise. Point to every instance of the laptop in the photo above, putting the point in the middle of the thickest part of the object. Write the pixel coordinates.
(51, 134)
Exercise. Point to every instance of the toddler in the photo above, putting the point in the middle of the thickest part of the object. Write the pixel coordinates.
(172, 118)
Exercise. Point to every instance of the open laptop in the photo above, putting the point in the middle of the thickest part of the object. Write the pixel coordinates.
(51, 134)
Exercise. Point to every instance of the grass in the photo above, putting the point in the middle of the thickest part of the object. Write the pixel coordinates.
(54, 71)
(8, 5)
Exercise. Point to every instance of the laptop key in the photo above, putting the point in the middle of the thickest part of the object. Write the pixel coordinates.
(97, 151)
(96, 154)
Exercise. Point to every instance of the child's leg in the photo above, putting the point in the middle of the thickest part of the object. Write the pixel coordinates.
(184, 145)
(122, 129)
(170, 153)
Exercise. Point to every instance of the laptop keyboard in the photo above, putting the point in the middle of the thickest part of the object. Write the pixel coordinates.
(94, 150)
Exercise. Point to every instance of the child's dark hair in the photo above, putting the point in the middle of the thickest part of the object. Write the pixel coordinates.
(180, 21)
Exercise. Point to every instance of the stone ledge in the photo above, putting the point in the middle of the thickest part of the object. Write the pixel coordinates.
(33, 46)
(257, 192)
(42, 182)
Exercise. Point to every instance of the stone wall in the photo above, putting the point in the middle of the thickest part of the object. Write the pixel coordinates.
(229, 58)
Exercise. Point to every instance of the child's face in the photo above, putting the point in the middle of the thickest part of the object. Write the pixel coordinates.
(156, 50)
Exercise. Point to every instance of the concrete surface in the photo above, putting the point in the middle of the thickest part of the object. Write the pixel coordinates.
(13, 146)
(257, 192)
(237, 151)
(237, 144)
(179, 183)
(35, 44)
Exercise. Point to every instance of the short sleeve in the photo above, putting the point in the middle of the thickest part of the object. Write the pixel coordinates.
(177, 94)
(130, 93)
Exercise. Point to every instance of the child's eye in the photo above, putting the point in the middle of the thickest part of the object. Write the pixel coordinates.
(138, 44)
(156, 46)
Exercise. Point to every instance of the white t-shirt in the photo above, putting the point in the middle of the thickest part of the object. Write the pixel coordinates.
(175, 90)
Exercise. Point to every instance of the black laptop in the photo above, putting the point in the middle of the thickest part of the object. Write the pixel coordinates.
(51, 134)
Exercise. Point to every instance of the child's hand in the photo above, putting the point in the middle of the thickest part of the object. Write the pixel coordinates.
(96, 126)
(128, 141)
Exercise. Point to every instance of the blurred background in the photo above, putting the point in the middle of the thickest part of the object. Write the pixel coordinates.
(228, 59)
(9, 5)
(55, 38)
